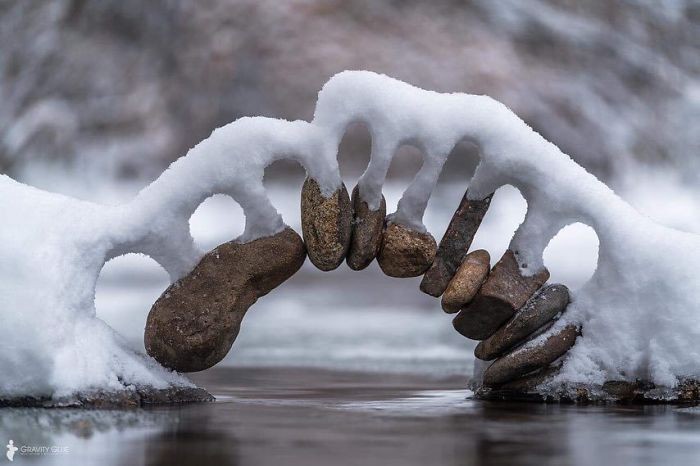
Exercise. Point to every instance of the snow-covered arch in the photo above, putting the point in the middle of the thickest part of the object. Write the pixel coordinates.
(639, 310)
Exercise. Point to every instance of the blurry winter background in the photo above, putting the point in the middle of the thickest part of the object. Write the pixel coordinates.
(96, 98)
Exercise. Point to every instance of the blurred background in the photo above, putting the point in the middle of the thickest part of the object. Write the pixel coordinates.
(98, 97)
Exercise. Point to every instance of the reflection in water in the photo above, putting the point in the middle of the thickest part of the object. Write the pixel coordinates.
(85, 434)
(196, 437)
(43, 426)
(304, 417)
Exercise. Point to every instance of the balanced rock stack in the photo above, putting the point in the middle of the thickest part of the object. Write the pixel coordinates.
(505, 307)
(504, 291)
(194, 323)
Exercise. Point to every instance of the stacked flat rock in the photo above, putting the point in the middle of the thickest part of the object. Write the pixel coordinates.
(524, 388)
(536, 313)
(195, 321)
(455, 244)
(505, 291)
(367, 232)
(405, 252)
(467, 281)
(326, 224)
(531, 357)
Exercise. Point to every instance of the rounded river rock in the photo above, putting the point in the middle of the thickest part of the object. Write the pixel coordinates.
(470, 275)
(405, 252)
(367, 229)
(326, 224)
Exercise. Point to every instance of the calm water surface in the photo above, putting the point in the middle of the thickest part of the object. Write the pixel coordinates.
(309, 416)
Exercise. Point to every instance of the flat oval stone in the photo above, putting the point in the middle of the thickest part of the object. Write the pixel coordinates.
(539, 310)
(367, 229)
(195, 321)
(470, 275)
(527, 359)
(505, 291)
(405, 252)
(326, 224)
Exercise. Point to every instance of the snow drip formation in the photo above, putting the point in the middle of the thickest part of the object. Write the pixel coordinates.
(639, 311)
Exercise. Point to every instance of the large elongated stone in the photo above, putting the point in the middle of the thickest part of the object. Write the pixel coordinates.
(326, 224)
(539, 310)
(405, 252)
(195, 321)
(455, 244)
(527, 359)
(467, 281)
(505, 291)
(367, 228)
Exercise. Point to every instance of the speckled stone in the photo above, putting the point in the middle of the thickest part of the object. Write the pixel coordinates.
(367, 229)
(405, 252)
(195, 321)
(326, 225)
(455, 244)
(538, 311)
(467, 281)
(505, 291)
(529, 358)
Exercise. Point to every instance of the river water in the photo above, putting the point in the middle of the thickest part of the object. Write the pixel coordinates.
(296, 416)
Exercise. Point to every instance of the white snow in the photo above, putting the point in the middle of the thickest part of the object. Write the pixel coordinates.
(53, 249)
(638, 312)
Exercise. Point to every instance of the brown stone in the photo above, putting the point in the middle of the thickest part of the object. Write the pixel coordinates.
(530, 358)
(455, 244)
(405, 252)
(522, 389)
(195, 321)
(367, 228)
(505, 291)
(467, 281)
(539, 310)
(326, 224)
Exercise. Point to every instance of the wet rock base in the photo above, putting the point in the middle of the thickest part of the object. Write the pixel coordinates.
(126, 399)
(615, 392)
